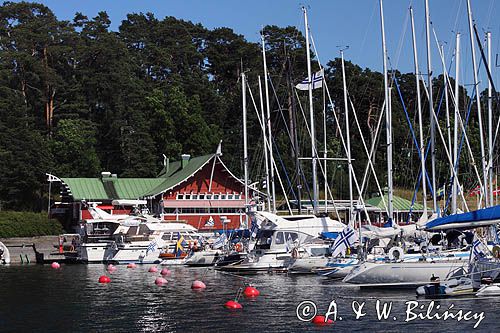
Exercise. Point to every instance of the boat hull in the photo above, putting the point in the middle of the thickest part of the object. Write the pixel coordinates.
(401, 274)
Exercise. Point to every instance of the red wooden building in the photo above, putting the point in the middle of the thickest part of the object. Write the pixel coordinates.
(200, 190)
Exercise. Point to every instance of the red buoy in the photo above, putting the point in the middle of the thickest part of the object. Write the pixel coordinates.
(111, 268)
(198, 285)
(132, 265)
(152, 269)
(165, 271)
(55, 265)
(251, 292)
(233, 305)
(160, 281)
(320, 321)
(104, 279)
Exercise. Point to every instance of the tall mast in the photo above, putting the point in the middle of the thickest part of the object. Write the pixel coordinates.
(478, 100)
(264, 138)
(388, 124)
(490, 124)
(420, 122)
(445, 84)
(454, 190)
(325, 150)
(348, 137)
(245, 151)
(431, 107)
(293, 130)
(270, 135)
(311, 111)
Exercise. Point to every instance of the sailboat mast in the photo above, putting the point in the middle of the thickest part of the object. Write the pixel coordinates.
(325, 150)
(478, 100)
(245, 150)
(311, 111)
(293, 131)
(348, 138)
(264, 138)
(431, 107)
(490, 124)
(270, 134)
(388, 124)
(420, 122)
(447, 109)
(455, 188)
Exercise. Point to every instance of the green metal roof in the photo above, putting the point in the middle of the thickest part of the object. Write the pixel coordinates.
(110, 188)
(86, 188)
(177, 174)
(399, 204)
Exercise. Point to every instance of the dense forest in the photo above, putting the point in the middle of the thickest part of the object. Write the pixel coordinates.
(77, 98)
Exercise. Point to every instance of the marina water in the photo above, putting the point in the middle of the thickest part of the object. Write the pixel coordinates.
(37, 298)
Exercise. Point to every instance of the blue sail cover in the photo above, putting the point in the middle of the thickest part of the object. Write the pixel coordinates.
(475, 219)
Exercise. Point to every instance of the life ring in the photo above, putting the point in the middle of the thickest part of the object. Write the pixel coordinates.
(295, 253)
(238, 247)
(396, 253)
(496, 251)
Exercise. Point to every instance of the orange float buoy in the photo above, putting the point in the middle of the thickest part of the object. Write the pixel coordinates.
(153, 269)
(132, 265)
(232, 304)
(320, 321)
(165, 271)
(104, 279)
(251, 292)
(55, 265)
(160, 281)
(198, 285)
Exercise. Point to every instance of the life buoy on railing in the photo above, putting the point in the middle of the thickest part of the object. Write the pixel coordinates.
(238, 247)
(295, 253)
(496, 251)
(396, 253)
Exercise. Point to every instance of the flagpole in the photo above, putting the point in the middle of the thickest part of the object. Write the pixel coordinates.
(311, 111)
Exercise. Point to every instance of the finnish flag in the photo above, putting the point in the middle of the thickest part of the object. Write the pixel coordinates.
(317, 81)
(479, 250)
(343, 241)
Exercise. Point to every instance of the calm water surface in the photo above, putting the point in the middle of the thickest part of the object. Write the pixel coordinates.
(37, 298)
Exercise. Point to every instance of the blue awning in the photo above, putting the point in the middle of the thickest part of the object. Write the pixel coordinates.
(478, 218)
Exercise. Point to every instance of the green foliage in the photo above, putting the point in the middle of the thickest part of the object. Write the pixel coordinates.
(27, 224)
(77, 99)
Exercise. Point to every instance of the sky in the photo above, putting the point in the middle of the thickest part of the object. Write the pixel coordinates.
(333, 24)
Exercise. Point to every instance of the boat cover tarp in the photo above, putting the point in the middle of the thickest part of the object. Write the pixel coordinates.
(474, 219)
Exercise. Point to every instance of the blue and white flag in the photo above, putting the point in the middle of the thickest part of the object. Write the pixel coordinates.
(344, 240)
(155, 244)
(220, 241)
(317, 81)
(479, 250)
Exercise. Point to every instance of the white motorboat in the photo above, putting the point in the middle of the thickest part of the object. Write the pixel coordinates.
(276, 239)
(4, 254)
(148, 243)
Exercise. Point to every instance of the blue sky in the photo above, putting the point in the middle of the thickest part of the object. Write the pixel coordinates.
(335, 22)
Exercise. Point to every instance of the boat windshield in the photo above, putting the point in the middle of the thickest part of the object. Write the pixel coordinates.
(264, 239)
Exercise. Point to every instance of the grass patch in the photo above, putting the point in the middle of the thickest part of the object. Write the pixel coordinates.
(27, 224)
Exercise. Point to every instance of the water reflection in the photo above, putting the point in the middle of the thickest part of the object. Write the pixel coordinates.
(39, 298)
